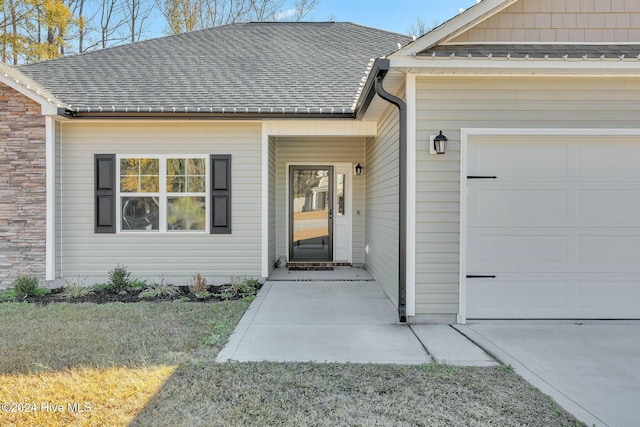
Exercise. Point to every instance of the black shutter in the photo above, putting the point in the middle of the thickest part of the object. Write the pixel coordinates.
(105, 186)
(221, 194)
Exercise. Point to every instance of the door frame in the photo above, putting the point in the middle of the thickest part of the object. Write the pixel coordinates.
(348, 203)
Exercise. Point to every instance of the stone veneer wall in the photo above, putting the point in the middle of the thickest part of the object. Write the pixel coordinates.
(22, 187)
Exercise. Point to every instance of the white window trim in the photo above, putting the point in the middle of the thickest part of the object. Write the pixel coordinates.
(163, 195)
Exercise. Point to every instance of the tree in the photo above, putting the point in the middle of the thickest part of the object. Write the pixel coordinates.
(420, 27)
(303, 7)
(33, 30)
(182, 15)
(138, 12)
(188, 15)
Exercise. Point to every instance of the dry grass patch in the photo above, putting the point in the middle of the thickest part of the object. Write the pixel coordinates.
(81, 396)
(298, 394)
(87, 364)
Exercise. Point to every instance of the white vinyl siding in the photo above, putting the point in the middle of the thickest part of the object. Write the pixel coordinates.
(178, 256)
(381, 172)
(58, 199)
(324, 151)
(272, 205)
(452, 103)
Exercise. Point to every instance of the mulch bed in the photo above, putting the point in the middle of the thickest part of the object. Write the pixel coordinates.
(103, 296)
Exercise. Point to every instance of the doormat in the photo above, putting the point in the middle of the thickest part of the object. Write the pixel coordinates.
(310, 268)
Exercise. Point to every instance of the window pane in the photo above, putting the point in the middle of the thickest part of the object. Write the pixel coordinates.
(196, 167)
(149, 184)
(186, 213)
(140, 213)
(139, 176)
(149, 167)
(176, 184)
(129, 167)
(175, 167)
(129, 184)
(195, 184)
(340, 186)
(186, 175)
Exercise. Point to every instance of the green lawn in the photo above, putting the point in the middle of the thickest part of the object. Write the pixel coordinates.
(152, 364)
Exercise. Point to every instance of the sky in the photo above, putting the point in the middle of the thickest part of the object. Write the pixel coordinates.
(395, 15)
(398, 16)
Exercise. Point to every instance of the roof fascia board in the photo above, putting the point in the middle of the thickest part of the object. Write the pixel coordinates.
(380, 67)
(48, 108)
(514, 64)
(455, 26)
(208, 116)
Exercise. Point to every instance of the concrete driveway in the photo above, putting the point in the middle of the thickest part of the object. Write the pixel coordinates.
(590, 368)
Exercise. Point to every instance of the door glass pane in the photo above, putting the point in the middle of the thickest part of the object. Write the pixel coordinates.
(311, 202)
(340, 196)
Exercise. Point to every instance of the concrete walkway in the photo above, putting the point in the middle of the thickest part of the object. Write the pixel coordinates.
(590, 368)
(336, 321)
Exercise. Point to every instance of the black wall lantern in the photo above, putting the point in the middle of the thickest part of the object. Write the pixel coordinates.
(357, 169)
(438, 144)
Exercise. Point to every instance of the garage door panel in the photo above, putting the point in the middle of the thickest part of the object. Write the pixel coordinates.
(522, 249)
(536, 205)
(609, 249)
(518, 298)
(559, 228)
(602, 161)
(607, 296)
(608, 208)
(525, 159)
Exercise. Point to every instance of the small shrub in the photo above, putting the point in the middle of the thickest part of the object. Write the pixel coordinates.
(119, 279)
(198, 284)
(76, 289)
(8, 295)
(41, 291)
(99, 287)
(225, 295)
(204, 295)
(137, 284)
(25, 286)
(156, 290)
(246, 287)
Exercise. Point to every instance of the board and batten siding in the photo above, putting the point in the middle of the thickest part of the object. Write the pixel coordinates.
(323, 151)
(176, 256)
(453, 103)
(382, 182)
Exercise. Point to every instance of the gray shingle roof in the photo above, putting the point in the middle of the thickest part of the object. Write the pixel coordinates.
(249, 67)
(537, 51)
(21, 79)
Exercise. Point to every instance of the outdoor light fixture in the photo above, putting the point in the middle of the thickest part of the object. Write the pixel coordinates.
(438, 144)
(358, 169)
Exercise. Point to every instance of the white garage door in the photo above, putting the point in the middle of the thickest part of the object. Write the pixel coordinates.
(559, 227)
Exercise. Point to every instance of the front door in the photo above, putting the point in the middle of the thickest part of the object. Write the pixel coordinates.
(311, 213)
